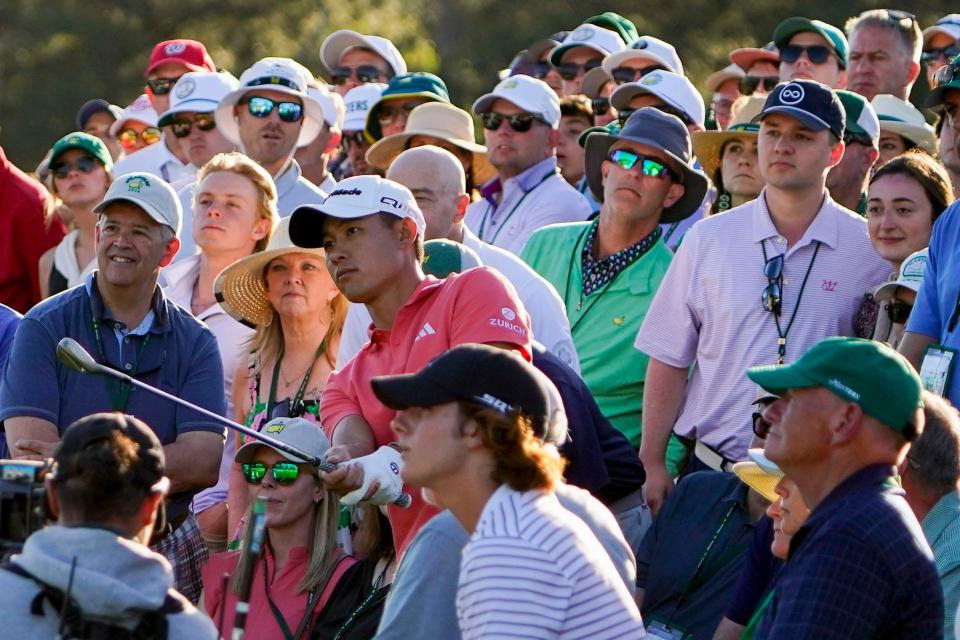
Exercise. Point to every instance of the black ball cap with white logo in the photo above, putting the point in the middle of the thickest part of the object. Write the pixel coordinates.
(814, 104)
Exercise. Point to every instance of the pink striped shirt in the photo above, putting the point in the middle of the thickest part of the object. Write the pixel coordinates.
(708, 309)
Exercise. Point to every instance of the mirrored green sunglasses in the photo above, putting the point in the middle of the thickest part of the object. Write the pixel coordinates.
(283, 472)
(649, 166)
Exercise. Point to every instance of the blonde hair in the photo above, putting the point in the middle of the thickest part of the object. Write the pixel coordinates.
(323, 552)
(235, 162)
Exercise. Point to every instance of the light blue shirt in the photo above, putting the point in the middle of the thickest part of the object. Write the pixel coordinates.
(941, 528)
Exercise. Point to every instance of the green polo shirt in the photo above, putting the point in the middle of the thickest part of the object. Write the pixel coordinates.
(605, 323)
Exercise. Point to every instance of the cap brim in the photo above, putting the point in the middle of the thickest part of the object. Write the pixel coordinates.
(306, 221)
(888, 290)
(384, 151)
(245, 453)
(923, 137)
(147, 207)
(778, 379)
(695, 184)
(752, 475)
(748, 56)
(372, 130)
(708, 144)
(187, 63)
(190, 106)
(809, 120)
(410, 390)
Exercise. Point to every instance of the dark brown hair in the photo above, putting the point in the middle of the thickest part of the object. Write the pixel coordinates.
(927, 171)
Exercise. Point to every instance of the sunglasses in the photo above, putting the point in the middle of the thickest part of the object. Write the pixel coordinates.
(817, 53)
(748, 84)
(761, 428)
(772, 295)
(519, 122)
(623, 75)
(284, 473)
(161, 86)
(946, 74)
(649, 166)
(903, 18)
(182, 126)
(932, 55)
(130, 138)
(899, 311)
(261, 107)
(539, 70)
(364, 73)
(390, 112)
(84, 164)
(601, 106)
(353, 138)
(572, 70)
(624, 114)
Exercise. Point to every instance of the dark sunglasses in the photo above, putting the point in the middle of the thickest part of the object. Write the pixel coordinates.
(601, 106)
(539, 70)
(352, 138)
(932, 55)
(571, 70)
(130, 138)
(624, 114)
(771, 297)
(261, 107)
(182, 126)
(899, 311)
(284, 473)
(391, 111)
(161, 86)
(649, 166)
(749, 84)
(364, 73)
(817, 53)
(903, 18)
(84, 164)
(946, 74)
(287, 410)
(623, 75)
(519, 122)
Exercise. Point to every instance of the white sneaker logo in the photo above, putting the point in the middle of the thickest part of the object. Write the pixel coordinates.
(426, 331)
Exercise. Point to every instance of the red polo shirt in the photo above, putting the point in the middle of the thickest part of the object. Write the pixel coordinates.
(476, 306)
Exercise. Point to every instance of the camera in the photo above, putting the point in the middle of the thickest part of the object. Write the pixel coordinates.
(23, 502)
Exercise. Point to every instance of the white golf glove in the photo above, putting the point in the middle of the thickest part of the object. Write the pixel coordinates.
(383, 466)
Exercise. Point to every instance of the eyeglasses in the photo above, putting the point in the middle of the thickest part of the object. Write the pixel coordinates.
(84, 164)
(601, 106)
(624, 114)
(902, 18)
(391, 111)
(539, 70)
(817, 53)
(519, 122)
(284, 473)
(933, 55)
(946, 74)
(364, 73)
(771, 297)
(749, 84)
(571, 70)
(131, 138)
(182, 126)
(352, 138)
(623, 75)
(899, 311)
(161, 86)
(649, 166)
(261, 107)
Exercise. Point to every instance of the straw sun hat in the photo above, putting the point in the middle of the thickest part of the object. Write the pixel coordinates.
(240, 288)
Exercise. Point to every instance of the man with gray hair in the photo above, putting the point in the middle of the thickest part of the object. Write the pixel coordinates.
(884, 53)
(930, 474)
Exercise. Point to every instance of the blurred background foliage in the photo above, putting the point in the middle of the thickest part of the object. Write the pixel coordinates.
(56, 54)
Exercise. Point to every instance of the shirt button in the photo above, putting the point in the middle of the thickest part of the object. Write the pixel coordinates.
(781, 239)
(128, 366)
(786, 281)
(126, 340)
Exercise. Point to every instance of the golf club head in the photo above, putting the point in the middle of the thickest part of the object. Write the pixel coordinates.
(70, 353)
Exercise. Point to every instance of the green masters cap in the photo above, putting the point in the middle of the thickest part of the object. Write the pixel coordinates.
(792, 26)
(615, 22)
(419, 84)
(866, 372)
(442, 257)
(85, 142)
(862, 120)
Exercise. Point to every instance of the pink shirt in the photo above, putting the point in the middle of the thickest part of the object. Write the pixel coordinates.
(476, 306)
(284, 592)
(708, 311)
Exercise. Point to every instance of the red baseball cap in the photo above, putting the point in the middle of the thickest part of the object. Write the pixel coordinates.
(187, 52)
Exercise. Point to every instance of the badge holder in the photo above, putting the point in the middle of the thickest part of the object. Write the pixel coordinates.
(936, 368)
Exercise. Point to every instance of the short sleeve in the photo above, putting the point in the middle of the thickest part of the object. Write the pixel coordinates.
(925, 317)
(30, 384)
(203, 386)
(336, 401)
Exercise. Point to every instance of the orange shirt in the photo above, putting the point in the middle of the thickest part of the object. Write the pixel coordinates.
(476, 306)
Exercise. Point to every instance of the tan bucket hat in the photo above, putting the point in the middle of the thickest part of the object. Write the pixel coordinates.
(438, 120)
(707, 144)
(240, 288)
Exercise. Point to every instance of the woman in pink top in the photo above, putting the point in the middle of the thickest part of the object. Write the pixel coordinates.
(301, 563)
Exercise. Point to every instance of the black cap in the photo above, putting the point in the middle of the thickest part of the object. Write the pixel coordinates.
(494, 378)
(97, 105)
(151, 464)
(814, 104)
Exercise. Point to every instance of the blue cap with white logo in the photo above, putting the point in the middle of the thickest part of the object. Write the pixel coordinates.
(814, 104)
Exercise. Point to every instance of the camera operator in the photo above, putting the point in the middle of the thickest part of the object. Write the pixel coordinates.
(106, 488)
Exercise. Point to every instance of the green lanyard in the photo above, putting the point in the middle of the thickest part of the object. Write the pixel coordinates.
(119, 391)
(693, 585)
(367, 603)
(297, 402)
(483, 221)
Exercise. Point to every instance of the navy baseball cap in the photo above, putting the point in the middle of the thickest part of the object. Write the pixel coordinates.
(812, 103)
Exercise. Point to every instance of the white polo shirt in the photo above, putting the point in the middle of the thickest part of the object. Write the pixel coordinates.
(534, 570)
(708, 309)
(158, 160)
(530, 200)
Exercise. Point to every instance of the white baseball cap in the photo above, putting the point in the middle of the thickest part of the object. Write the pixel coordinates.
(335, 44)
(672, 88)
(529, 94)
(905, 120)
(646, 48)
(911, 276)
(198, 92)
(354, 197)
(358, 102)
(333, 107)
(276, 74)
(604, 41)
(948, 24)
(140, 110)
(149, 192)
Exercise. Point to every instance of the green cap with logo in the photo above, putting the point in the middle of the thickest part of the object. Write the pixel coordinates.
(866, 372)
(792, 26)
(441, 257)
(862, 120)
(91, 145)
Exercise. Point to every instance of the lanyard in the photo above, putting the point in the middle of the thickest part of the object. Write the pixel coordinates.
(367, 602)
(119, 391)
(670, 231)
(311, 602)
(483, 221)
(782, 340)
(297, 402)
(703, 559)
